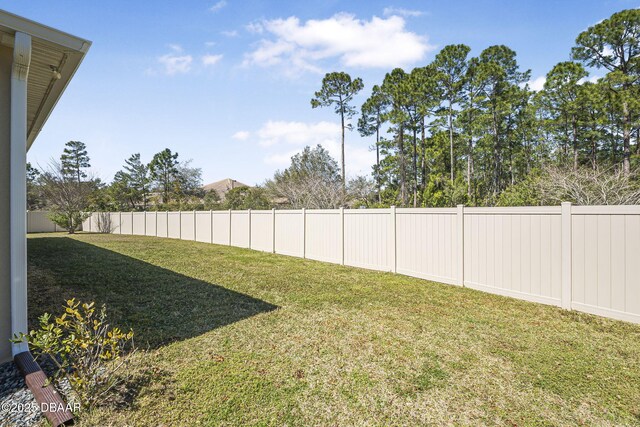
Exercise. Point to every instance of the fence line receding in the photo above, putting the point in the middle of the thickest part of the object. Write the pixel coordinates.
(584, 258)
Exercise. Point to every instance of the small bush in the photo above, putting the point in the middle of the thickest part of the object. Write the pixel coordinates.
(85, 349)
(104, 223)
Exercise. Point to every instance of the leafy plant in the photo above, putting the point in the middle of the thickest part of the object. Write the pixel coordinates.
(85, 349)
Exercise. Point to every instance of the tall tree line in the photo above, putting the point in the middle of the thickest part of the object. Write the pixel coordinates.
(463, 128)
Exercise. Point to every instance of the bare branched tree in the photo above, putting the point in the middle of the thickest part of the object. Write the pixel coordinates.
(589, 187)
(67, 198)
(312, 181)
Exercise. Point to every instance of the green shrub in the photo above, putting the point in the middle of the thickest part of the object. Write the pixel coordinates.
(86, 350)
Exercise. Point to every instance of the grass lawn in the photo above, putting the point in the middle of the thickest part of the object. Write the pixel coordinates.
(238, 337)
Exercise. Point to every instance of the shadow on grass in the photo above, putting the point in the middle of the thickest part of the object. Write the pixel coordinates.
(160, 305)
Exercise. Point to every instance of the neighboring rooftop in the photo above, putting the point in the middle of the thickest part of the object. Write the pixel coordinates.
(223, 186)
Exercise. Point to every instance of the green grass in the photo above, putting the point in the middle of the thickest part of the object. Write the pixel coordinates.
(238, 337)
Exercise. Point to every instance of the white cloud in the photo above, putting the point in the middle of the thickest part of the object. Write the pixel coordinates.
(254, 27)
(592, 79)
(216, 7)
(283, 139)
(230, 33)
(241, 135)
(389, 11)
(300, 46)
(208, 60)
(537, 84)
(175, 62)
(209, 44)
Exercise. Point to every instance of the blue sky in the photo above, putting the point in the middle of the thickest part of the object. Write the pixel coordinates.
(228, 83)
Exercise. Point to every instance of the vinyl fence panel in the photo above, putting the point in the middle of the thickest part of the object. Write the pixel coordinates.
(606, 261)
(367, 239)
(289, 233)
(426, 244)
(139, 223)
(126, 223)
(203, 226)
(162, 224)
(240, 229)
(262, 224)
(151, 223)
(39, 222)
(324, 235)
(514, 252)
(221, 227)
(174, 230)
(187, 225)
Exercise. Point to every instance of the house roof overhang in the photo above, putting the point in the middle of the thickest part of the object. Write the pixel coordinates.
(55, 57)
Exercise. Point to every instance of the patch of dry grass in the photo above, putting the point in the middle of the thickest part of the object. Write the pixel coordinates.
(238, 337)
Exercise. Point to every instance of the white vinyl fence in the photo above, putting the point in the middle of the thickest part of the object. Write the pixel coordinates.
(39, 222)
(584, 258)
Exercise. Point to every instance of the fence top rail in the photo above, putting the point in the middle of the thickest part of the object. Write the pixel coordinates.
(323, 211)
(288, 211)
(239, 212)
(606, 210)
(378, 211)
(265, 213)
(426, 211)
(515, 210)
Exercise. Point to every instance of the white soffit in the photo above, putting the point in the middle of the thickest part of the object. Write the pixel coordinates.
(53, 52)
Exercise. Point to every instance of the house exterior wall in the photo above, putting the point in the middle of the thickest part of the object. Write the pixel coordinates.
(6, 59)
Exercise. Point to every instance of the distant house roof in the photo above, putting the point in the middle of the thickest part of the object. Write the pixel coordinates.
(223, 186)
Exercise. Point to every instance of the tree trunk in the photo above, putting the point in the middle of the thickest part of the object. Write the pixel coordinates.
(452, 161)
(415, 168)
(626, 137)
(344, 183)
(469, 168)
(575, 143)
(497, 163)
(424, 156)
(378, 163)
(403, 172)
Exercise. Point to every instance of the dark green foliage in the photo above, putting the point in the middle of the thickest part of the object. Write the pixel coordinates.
(163, 170)
(74, 160)
(241, 198)
(476, 121)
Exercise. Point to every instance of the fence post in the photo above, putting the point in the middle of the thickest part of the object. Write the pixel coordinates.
(120, 222)
(180, 225)
(341, 235)
(304, 232)
(273, 230)
(167, 224)
(460, 227)
(229, 227)
(394, 240)
(132, 223)
(249, 226)
(195, 229)
(211, 225)
(566, 291)
(156, 232)
(145, 223)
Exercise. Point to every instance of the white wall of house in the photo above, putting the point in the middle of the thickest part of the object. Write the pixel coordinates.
(6, 59)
